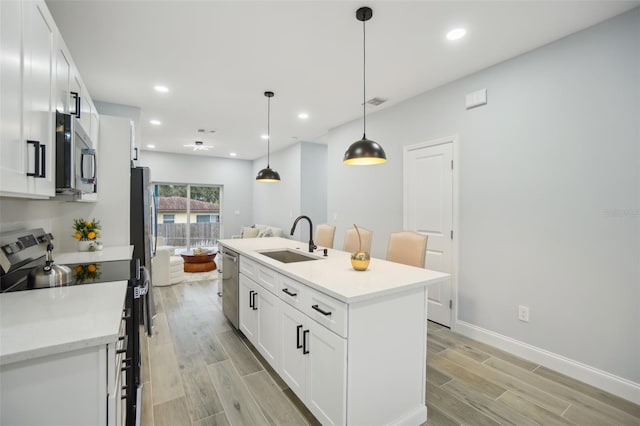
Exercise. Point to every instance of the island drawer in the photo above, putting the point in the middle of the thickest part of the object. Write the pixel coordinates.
(293, 292)
(266, 277)
(327, 311)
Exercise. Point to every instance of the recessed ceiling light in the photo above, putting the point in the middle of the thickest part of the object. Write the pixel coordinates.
(161, 89)
(233, 154)
(303, 116)
(151, 146)
(155, 122)
(456, 34)
(265, 136)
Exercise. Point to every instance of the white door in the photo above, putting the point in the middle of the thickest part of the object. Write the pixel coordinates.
(326, 354)
(38, 115)
(268, 330)
(428, 209)
(247, 300)
(293, 366)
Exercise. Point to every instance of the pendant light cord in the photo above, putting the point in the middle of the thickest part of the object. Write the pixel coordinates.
(364, 80)
(268, 131)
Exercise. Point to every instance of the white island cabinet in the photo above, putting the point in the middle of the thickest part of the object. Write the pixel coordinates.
(62, 356)
(351, 345)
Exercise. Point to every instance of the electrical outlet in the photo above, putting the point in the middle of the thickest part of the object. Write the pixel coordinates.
(523, 313)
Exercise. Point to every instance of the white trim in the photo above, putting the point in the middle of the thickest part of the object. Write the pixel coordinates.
(601, 379)
(454, 140)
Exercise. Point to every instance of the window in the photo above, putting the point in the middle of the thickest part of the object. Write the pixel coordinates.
(204, 218)
(168, 218)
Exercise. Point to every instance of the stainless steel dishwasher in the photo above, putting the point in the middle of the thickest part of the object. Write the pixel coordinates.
(230, 282)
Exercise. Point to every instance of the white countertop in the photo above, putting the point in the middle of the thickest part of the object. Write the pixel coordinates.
(333, 275)
(43, 322)
(107, 254)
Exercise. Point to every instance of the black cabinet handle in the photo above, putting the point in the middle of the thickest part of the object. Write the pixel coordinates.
(43, 161)
(127, 364)
(135, 158)
(255, 308)
(76, 96)
(251, 298)
(298, 344)
(320, 310)
(126, 313)
(304, 342)
(286, 291)
(36, 163)
(125, 345)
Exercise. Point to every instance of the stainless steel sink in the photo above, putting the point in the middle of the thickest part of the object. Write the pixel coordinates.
(288, 256)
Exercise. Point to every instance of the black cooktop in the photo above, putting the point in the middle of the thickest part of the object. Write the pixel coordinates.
(81, 273)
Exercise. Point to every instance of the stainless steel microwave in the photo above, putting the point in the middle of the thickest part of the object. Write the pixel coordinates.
(76, 162)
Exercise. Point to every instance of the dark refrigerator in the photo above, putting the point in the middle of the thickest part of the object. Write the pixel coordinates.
(140, 293)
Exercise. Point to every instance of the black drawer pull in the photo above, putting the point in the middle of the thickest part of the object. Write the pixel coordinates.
(36, 162)
(286, 291)
(126, 313)
(327, 313)
(76, 96)
(304, 342)
(251, 298)
(125, 344)
(255, 307)
(298, 344)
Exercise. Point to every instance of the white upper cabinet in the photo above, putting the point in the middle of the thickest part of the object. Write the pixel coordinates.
(13, 150)
(37, 76)
(27, 169)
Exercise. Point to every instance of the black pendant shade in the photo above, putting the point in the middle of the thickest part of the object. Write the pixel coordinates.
(365, 151)
(268, 174)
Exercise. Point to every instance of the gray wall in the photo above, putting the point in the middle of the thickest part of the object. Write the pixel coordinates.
(235, 176)
(301, 191)
(549, 192)
(277, 204)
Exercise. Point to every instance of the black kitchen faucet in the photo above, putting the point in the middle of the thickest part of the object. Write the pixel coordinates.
(312, 246)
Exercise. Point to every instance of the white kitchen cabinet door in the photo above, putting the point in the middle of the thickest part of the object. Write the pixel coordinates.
(94, 134)
(326, 374)
(63, 74)
(292, 364)
(248, 313)
(13, 150)
(268, 331)
(38, 40)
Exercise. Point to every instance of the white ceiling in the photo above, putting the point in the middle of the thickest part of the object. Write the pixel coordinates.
(218, 57)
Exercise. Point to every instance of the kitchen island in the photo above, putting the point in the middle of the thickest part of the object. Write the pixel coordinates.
(350, 344)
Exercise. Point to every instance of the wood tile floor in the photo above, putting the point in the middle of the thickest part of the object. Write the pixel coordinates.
(198, 371)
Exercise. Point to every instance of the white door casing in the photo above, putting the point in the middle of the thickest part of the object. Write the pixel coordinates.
(428, 209)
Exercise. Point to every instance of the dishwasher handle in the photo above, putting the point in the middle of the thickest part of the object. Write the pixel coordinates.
(228, 256)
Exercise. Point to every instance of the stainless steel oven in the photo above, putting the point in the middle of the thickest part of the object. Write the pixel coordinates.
(76, 162)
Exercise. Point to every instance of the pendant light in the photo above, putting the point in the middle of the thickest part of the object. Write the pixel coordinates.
(365, 151)
(268, 174)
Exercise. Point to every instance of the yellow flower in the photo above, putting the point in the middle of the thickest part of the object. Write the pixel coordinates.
(91, 268)
(78, 235)
(91, 235)
(78, 268)
(88, 224)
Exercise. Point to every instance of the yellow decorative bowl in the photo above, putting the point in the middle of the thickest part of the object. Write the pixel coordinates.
(360, 260)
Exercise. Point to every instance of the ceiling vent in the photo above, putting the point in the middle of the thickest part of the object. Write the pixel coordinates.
(376, 101)
(206, 131)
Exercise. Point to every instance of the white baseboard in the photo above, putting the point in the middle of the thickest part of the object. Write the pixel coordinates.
(601, 379)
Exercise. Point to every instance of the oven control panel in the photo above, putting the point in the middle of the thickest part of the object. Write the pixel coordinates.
(18, 247)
